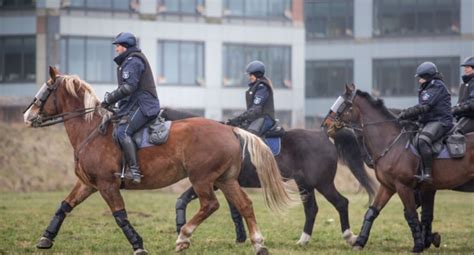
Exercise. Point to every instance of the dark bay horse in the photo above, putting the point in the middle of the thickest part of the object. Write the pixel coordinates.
(207, 152)
(308, 157)
(395, 166)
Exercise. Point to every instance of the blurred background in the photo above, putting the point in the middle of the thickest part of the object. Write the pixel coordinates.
(198, 50)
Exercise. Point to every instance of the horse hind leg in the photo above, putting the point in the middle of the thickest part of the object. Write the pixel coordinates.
(208, 205)
(236, 196)
(79, 193)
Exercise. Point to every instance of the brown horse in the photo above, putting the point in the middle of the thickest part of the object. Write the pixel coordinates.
(207, 152)
(395, 166)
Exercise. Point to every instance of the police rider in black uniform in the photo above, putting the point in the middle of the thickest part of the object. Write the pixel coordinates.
(464, 109)
(136, 96)
(260, 114)
(433, 112)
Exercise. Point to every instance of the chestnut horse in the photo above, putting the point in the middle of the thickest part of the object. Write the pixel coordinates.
(207, 152)
(395, 166)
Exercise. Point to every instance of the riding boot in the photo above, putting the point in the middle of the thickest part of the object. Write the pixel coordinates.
(130, 151)
(427, 160)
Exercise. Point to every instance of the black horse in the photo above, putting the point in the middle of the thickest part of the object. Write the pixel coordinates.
(309, 158)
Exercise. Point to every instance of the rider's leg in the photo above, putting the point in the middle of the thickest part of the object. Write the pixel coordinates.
(431, 132)
(136, 120)
(465, 125)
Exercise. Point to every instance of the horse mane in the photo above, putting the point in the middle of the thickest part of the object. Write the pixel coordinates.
(74, 84)
(174, 114)
(377, 103)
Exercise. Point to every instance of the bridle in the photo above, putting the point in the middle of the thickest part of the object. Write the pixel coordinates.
(341, 105)
(40, 99)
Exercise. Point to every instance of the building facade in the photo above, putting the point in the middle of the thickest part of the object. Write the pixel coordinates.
(198, 49)
(377, 45)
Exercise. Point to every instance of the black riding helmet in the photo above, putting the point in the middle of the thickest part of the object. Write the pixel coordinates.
(426, 70)
(125, 39)
(256, 68)
(469, 61)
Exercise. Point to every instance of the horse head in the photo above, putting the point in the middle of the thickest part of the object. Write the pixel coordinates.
(60, 98)
(341, 113)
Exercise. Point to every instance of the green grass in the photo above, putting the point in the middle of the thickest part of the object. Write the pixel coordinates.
(90, 228)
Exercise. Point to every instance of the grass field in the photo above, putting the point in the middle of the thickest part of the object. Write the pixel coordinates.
(90, 228)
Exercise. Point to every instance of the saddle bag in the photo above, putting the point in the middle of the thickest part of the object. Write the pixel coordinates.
(456, 145)
(159, 131)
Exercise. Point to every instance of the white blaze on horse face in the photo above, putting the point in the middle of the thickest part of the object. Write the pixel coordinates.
(337, 104)
(26, 117)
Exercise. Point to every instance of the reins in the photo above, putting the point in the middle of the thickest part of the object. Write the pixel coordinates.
(62, 117)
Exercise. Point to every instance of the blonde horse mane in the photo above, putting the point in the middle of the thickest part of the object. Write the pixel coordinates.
(74, 84)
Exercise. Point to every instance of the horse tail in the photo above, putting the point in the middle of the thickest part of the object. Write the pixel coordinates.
(348, 150)
(275, 195)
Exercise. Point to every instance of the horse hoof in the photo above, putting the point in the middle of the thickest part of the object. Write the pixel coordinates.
(349, 237)
(44, 243)
(240, 241)
(182, 246)
(140, 252)
(262, 251)
(304, 239)
(436, 239)
(357, 248)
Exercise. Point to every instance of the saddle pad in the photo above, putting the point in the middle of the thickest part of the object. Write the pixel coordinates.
(142, 137)
(274, 143)
(443, 154)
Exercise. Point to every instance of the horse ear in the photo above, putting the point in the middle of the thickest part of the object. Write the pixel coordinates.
(352, 86)
(53, 72)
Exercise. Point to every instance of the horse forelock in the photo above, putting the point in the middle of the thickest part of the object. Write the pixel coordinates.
(377, 103)
(74, 84)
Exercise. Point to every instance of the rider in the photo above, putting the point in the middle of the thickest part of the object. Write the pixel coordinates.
(464, 109)
(433, 111)
(260, 114)
(136, 96)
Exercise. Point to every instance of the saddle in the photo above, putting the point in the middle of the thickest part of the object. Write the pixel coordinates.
(452, 145)
(272, 138)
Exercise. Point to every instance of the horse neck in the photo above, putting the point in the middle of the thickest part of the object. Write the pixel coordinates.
(378, 136)
(78, 129)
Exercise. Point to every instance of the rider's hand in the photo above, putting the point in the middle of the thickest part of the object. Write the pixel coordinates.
(105, 103)
(402, 115)
(233, 122)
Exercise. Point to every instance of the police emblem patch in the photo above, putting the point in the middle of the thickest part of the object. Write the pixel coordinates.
(425, 96)
(125, 75)
(257, 100)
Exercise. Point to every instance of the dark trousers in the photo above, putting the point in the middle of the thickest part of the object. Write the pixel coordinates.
(132, 123)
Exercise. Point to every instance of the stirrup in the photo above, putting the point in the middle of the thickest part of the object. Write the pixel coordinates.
(424, 178)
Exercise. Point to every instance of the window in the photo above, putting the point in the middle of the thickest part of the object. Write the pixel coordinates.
(277, 61)
(89, 58)
(416, 17)
(18, 59)
(327, 78)
(395, 77)
(103, 5)
(181, 63)
(17, 4)
(187, 7)
(283, 116)
(258, 9)
(329, 18)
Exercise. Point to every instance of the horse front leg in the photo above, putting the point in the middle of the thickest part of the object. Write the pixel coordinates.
(381, 198)
(181, 205)
(310, 210)
(78, 194)
(407, 196)
(114, 200)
